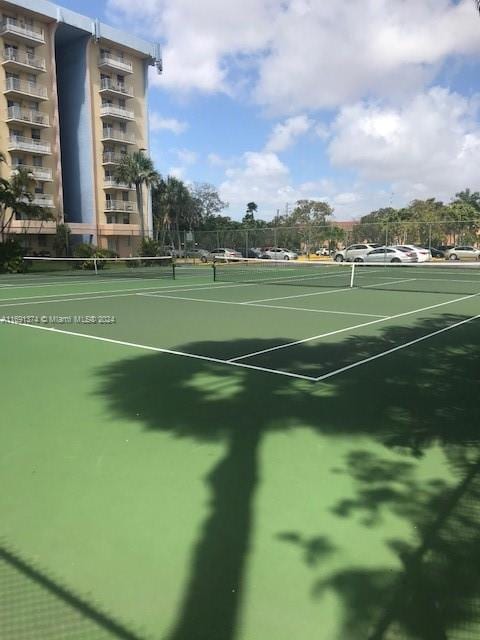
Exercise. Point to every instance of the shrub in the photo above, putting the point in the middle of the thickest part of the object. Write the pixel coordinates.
(11, 257)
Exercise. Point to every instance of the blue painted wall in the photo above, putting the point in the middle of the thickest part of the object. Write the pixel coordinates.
(75, 124)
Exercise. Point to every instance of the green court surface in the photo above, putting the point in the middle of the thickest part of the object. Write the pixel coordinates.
(184, 459)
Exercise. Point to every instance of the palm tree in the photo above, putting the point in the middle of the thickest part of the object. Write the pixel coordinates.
(16, 198)
(138, 170)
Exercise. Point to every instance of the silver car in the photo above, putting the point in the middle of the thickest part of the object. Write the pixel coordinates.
(462, 253)
(355, 252)
(391, 254)
(225, 254)
(278, 253)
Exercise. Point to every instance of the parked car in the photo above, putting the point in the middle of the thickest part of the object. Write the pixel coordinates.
(437, 252)
(463, 253)
(445, 247)
(424, 255)
(225, 254)
(323, 251)
(355, 252)
(254, 252)
(278, 253)
(199, 254)
(391, 254)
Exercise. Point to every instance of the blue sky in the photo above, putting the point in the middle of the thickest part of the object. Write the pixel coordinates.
(361, 103)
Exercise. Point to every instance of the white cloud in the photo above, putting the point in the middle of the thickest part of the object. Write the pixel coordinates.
(285, 133)
(186, 156)
(215, 159)
(158, 123)
(430, 146)
(177, 172)
(304, 54)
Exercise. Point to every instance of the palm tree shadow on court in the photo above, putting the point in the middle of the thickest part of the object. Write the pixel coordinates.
(410, 401)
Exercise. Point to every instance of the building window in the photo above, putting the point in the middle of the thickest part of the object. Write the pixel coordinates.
(42, 241)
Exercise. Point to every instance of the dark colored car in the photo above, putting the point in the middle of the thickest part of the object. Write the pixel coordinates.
(436, 253)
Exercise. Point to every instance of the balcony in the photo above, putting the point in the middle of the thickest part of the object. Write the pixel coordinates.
(19, 143)
(109, 86)
(16, 86)
(115, 135)
(109, 111)
(43, 200)
(41, 174)
(26, 116)
(19, 29)
(110, 157)
(120, 206)
(109, 61)
(111, 183)
(13, 59)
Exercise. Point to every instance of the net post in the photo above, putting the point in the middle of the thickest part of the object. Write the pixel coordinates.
(95, 265)
(174, 267)
(214, 272)
(352, 275)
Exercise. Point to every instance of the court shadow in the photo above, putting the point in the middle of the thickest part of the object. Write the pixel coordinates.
(37, 605)
(418, 398)
(435, 591)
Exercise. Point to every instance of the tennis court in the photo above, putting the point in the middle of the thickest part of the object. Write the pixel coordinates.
(260, 450)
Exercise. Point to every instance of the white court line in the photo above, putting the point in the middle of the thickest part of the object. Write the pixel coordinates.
(171, 289)
(161, 350)
(358, 326)
(323, 293)
(398, 348)
(91, 280)
(263, 306)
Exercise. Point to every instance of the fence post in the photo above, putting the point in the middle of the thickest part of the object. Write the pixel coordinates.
(246, 243)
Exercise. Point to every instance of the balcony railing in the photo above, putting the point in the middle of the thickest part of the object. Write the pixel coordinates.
(39, 199)
(118, 136)
(110, 157)
(41, 174)
(107, 84)
(29, 88)
(20, 143)
(18, 28)
(120, 205)
(31, 117)
(23, 59)
(116, 112)
(115, 62)
(111, 183)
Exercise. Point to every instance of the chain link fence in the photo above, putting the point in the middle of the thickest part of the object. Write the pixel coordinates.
(304, 240)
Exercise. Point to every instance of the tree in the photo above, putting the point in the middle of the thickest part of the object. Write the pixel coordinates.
(174, 209)
(16, 200)
(209, 202)
(61, 241)
(138, 170)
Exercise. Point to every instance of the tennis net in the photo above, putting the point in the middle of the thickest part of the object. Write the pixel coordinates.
(140, 267)
(448, 278)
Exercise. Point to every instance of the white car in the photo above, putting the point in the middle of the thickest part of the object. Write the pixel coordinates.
(355, 252)
(391, 254)
(424, 255)
(463, 253)
(225, 254)
(278, 253)
(322, 252)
